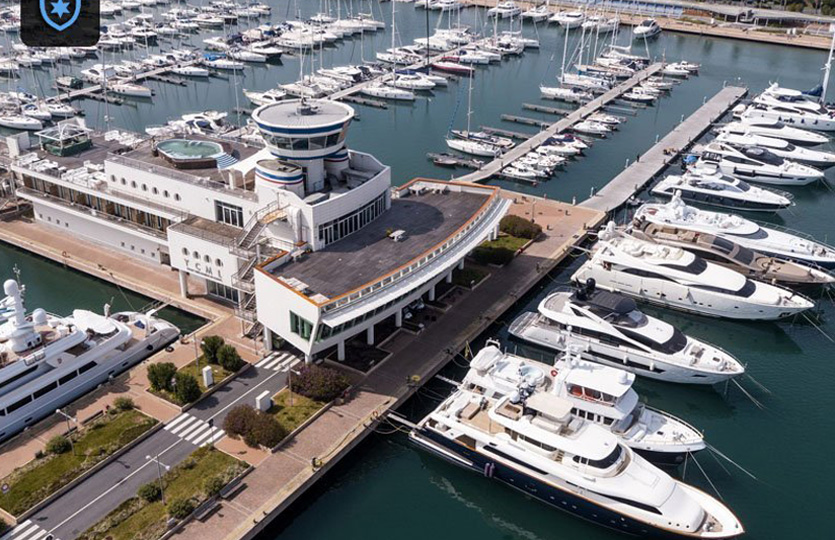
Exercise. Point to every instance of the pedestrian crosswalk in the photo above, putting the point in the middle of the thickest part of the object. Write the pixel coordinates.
(278, 361)
(194, 430)
(28, 531)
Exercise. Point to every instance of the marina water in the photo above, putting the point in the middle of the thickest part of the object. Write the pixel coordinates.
(388, 489)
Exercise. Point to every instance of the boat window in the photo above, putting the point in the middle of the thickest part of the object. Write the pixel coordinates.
(636, 504)
(18, 404)
(604, 463)
(86, 367)
(695, 267)
(676, 343)
(633, 319)
(723, 245)
(68, 377)
(17, 377)
(645, 274)
(46, 389)
(744, 256)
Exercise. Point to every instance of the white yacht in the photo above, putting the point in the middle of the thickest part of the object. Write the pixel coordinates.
(537, 14)
(600, 394)
(48, 361)
(711, 187)
(569, 19)
(532, 442)
(741, 231)
(600, 24)
(130, 89)
(273, 95)
(646, 29)
(384, 91)
(569, 95)
(21, 122)
(592, 127)
(190, 71)
(732, 255)
(757, 164)
(473, 146)
(412, 81)
(774, 128)
(678, 279)
(802, 115)
(503, 143)
(779, 147)
(505, 9)
(610, 329)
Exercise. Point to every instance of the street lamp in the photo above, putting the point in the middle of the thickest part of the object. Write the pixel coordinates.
(197, 352)
(160, 466)
(69, 435)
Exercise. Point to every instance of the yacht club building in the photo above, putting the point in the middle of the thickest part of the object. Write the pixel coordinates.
(304, 236)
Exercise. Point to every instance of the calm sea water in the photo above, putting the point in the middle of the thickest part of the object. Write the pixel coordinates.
(386, 488)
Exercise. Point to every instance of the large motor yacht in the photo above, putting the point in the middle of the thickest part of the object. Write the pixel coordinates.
(707, 185)
(744, 232)
(597, 393)
(757, 164)
(47, 361)
(779, 147)
(610, 329)
(774, 129)
(530, 441)
(678, 279)
(793, 114)
(732, 255)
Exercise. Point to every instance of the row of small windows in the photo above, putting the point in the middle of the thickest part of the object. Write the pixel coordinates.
(356, 220)
(42, 391)
(144, 187)
(222, 291)
(206, 258)
(305, 143)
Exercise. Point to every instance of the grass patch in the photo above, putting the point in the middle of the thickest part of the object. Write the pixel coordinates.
(136, 519)
(505, 241)
(291, 416)
(192, 369)
(94, 442)
(468, 277)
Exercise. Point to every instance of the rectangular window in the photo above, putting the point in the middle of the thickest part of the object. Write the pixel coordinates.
(222, 291)
(300, 326)
(68, 377)
(86, 367)
(46, 389)
(15, 406)
(229, 214)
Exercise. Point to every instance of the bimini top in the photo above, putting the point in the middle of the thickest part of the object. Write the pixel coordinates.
(297, 117)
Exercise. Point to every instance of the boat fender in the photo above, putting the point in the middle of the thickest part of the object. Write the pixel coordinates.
(149, 347)
(554, 373)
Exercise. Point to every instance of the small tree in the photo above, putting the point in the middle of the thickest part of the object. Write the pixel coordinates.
(149, 492)
(210, 347)
(124, 403)
(519, 227)
(186, 388)
(180, 508)
(160, 375)
(239, 420)
(320, 383)
(229, 359)
(58, 445)
(266, 431)
(213, 486)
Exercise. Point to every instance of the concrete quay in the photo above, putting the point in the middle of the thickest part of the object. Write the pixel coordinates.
(655, 160)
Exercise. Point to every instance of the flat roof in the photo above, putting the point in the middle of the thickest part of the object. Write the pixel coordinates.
(368, 254)
(95, 154)
(288, 114)
(214, 231)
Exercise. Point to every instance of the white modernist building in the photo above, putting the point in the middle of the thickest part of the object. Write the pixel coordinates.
(293, 233)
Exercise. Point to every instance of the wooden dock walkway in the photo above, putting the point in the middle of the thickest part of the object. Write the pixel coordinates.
(656, 159)
(91, 91)
(495, 166)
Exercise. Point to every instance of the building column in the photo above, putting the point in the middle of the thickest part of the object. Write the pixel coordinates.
(398, 318)
(461, 264)
(183, 283)
(369, 335)
(268, 339)
(432, 293)
(308, 358)
(340, 350)
(449, 277)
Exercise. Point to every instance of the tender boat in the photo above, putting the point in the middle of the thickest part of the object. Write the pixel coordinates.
(711, 187)
(678, 279)
(600, 394)
(744, 232)
(608, 328)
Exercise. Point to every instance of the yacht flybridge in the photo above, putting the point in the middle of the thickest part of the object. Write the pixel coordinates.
(608, 328)
(758, 164)
(47, 361)
(597, 393)
(703, 185)
(530, 440)
(737, 229)
(732, 255)
(678, 279)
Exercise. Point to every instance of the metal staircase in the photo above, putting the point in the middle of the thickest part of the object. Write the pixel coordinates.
(255, 226)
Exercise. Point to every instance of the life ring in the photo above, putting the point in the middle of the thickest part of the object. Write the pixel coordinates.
(553, 373)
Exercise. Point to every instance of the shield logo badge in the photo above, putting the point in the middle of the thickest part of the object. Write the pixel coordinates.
(60, 14)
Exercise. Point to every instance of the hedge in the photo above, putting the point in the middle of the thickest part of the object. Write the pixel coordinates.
(520, 227)
(320, 383)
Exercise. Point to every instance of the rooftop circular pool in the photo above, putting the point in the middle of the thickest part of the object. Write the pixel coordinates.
(190, 154)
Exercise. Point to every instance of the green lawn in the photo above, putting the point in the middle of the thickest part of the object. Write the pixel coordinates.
(136, 519)
(291, 416)
(505, 241)
(468, 277)
(38, 479)
(192, 369)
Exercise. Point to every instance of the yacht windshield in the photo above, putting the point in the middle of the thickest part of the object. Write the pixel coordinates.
(696, 266)
(763, 155)
(633, 319)
(744, 256)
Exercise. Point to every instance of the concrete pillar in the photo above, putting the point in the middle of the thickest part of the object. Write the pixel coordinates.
(461, 264)
(398, 318)
(449, 278)
(308, 358)
(268, 339)
(369, 335)
(340, 351)
(432, 293)
(183, 283)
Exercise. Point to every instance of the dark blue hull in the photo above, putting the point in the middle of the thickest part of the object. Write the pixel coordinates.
(545, 492)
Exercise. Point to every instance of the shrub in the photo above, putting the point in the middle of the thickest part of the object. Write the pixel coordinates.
(186, 388)
(3, 526)
(40, 454)
(213, 486)
(211, 346)
(229, 359)
(149, 492)
(320, 383)
(239, 420)
(493, 255)
(519, 227)
(160, 375)
(124, 403)
(180, 508)
(58, 445)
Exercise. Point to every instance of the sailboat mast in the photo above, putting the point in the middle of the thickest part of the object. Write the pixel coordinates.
(828, 66)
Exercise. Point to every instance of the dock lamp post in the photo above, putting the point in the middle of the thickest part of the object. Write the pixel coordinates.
(68, 418)
(160, 466)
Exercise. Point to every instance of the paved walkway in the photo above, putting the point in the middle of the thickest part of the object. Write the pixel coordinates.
(655, 160)
(281, 477)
